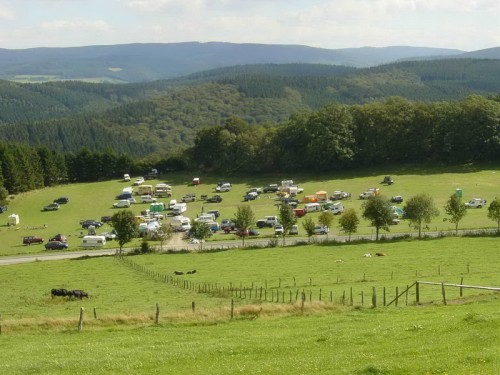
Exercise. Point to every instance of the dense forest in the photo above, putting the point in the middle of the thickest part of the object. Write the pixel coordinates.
(162, 117)
(335, 137)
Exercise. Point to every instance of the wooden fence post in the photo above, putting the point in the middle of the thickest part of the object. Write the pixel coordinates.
(320, 294)
(461, 288)
(417, 292)
(192, 306)
(157, 316)
(232, 309)
(444, 293)
(374, 297)
(397, 297)
(95, 313)
(351, 300)
(362, 298)
(80, 322)
(407, 292)
(385, 301)
(302, 303)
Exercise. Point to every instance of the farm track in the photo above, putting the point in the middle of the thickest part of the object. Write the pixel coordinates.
(177, 244)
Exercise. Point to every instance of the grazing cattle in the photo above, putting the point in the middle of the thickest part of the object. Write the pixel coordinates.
(368, 255)
(380, 254)
(78, 294)
(191, 272)
(178, 273)
(59, 292)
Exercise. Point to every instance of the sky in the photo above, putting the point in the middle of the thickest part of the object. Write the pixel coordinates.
(467, 25)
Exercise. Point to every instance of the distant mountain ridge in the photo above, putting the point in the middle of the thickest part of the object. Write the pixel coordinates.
(128, 63)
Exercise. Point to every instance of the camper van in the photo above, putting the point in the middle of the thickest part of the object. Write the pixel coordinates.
(93, 241)
(145, 190)
(163, 190)
(312, 207)
(206, 218)
(179, 208)
(181, 223)
(13, 220)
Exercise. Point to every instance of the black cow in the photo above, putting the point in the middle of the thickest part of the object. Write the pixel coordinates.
(59, 292)
(78, 294)
(191, 272)
(178, 273)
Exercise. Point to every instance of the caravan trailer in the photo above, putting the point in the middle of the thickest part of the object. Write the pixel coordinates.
(93, 241)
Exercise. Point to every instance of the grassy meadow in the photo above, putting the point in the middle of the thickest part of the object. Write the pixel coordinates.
(93, 200)
(40, 333)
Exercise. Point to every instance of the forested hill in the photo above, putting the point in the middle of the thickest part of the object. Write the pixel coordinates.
(161, 116)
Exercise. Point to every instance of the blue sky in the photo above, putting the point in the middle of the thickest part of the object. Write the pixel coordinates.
(463, 24)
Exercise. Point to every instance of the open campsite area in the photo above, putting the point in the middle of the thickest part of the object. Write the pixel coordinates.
(94, 200)
(268, 333)
(317, 308)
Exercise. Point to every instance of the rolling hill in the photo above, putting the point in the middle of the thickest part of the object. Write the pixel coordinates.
(148, 62)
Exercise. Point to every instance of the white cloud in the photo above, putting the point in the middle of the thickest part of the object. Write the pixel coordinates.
(6, 14)
(76, 25)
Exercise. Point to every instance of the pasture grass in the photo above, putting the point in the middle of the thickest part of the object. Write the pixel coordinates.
(39, 333)
(93, 200)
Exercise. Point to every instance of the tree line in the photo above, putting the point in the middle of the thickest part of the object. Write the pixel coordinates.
(336, 137)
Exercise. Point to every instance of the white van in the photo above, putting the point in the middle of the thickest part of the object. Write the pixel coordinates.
(179, 208)
(93, 241)
(206, 218)
(273, 220)
(337, 208)
(312, 207)
(226, 186)
(172, 203)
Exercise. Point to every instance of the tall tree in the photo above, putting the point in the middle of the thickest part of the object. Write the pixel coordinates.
(420, 209)
(244, 220)
(494, 212)
(326, 219)
(125, 226)
(378, 211)
(456, 209)
(201, 231)
(308, 224)
(287, 219)
(349, 221)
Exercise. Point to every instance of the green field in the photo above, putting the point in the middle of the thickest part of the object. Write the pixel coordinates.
(93, 200)
(40, 333)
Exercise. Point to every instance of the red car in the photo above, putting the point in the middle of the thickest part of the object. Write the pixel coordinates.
(28, 240)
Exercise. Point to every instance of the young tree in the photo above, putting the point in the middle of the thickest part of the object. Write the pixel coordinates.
(287, 219)
(494, 212)
(244, 220)
(349, 222)
(378, 210)
(420, 209)
(125, 226)
(201, 231)
(308, 224)
(163, 233)
(456, 209)
(325, 219)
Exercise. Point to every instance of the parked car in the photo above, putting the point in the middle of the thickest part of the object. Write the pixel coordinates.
(262, 223)
(58, 237)
(122, 204)
(189, 198)
(3, 209)
(294, 230)
(388, 180)
(109, 235)
(257, 190)
(61, 200)
(51, 207)
(278, 229)
(56, 245)
(273, 188)
(228, 225)
(216, 213)
(397, 199)
(106, 218)
(214, 199)
(321, 229)
(476, 203)
(246, 233)
(148, 199)
(28, 240)
(250, 196)
(138, 181)
(87, 223)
